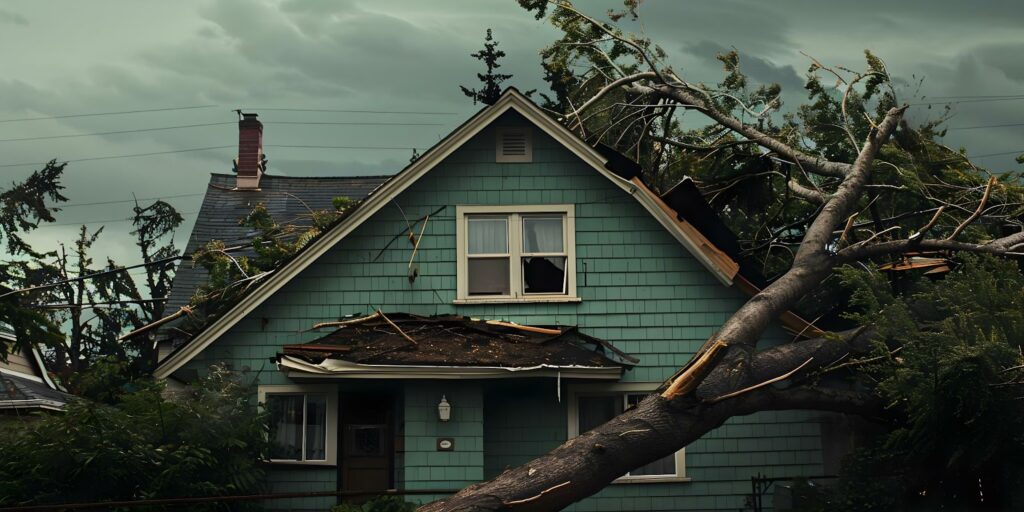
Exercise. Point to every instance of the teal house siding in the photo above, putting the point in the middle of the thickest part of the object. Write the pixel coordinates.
(639, 289)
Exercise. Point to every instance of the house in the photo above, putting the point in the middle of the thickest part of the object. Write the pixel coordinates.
(25, 385)
(509, 289)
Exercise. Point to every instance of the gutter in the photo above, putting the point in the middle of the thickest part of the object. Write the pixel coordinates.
(340, 369)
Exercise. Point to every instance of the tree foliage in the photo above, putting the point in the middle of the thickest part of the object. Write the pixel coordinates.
(842, 188)
(139, 444)
(953, 387)
(23, 207)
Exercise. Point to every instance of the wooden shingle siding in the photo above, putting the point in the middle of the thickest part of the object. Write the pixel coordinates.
(640, 289)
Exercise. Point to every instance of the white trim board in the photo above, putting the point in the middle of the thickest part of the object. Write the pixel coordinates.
(511, 99)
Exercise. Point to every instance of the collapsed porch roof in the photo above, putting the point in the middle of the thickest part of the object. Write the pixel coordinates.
(411, 346)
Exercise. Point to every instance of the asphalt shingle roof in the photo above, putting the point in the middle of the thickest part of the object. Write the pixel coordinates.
(286, 198)
(18, 389)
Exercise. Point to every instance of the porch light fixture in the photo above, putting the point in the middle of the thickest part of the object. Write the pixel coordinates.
(444, 409)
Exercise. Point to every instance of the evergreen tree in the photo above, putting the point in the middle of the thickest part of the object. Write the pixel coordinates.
(491, 89)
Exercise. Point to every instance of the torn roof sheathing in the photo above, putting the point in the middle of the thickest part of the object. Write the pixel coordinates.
(464, 346)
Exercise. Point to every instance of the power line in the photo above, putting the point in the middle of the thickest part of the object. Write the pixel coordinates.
(128, 200)
(272, 123)
(338, 147)
(985, 126)
(1018, 152)
(65, 116)
(357, 111)
(981, 100)
(105, 221)
(122, 156)
(977, 96)
(118, 132)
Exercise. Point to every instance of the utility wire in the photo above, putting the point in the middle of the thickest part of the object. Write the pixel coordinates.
(200, 125)
(1018, 152)
(977, 96)
(127, 200)
(354, 123)
(355, 111)
(985, 126)
(981, 100)
(104, 221)
(65, 116)
(137, 130)
(112, 157)
(338, 147)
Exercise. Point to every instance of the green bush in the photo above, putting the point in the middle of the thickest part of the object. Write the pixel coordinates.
(378, 504)
(140, 445)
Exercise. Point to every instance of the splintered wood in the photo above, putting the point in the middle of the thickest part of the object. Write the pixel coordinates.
(687, 381)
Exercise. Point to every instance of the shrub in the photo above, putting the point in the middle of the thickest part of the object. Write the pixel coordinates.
(140, 445)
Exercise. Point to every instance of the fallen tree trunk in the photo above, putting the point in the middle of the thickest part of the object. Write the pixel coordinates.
(584, 465)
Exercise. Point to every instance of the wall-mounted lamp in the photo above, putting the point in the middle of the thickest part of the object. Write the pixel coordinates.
(444, 409)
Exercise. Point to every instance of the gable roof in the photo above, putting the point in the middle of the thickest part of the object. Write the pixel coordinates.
(511, 100)
(285, 197)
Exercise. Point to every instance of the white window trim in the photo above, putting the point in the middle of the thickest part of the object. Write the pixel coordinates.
(499, 136)
(515, 251)
(330, 443)
(621, 388)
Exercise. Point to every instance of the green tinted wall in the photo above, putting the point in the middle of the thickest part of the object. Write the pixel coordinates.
(640, 289)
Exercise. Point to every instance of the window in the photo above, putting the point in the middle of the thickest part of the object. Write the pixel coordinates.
(301, 423)
(516, 253)
(589, 408)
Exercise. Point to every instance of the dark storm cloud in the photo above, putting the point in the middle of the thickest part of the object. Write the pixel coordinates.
(760, 70)
(412, 55)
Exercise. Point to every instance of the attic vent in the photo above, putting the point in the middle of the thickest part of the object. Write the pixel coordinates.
(514, 145)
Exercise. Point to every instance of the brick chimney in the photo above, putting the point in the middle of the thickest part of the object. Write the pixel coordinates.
(251, 163)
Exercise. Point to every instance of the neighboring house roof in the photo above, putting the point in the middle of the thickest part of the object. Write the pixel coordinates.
(610, 165)
(364, 346)
(287, 199)
(27, 386)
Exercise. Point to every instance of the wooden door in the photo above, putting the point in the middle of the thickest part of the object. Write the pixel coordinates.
(367, 443)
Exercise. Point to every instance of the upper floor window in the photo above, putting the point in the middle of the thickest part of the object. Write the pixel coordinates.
(516, 253)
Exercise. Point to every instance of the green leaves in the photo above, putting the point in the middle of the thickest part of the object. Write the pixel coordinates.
(139, 445)
(958, 416)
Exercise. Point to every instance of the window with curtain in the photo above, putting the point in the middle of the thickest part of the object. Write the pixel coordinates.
(298, 426)
(594, 410)
(516, 255)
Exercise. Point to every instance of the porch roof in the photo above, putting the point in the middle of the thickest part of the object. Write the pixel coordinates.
(456, 346)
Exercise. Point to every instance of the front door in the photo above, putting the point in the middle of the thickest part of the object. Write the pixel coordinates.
(367, 443)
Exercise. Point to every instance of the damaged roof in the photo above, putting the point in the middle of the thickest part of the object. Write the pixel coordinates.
(287, 199)
(456, 341)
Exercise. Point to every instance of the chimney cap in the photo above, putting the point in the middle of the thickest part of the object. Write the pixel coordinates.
(245, 115)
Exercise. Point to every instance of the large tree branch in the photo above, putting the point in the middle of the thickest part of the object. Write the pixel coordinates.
(1009, 246)
(687, 95)
(585, 464)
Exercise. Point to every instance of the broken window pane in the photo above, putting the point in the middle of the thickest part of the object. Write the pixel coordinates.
(542, 235)
(488, 235)
(488, 276)
(544, 274)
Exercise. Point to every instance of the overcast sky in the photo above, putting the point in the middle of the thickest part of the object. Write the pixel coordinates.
(72, 57)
